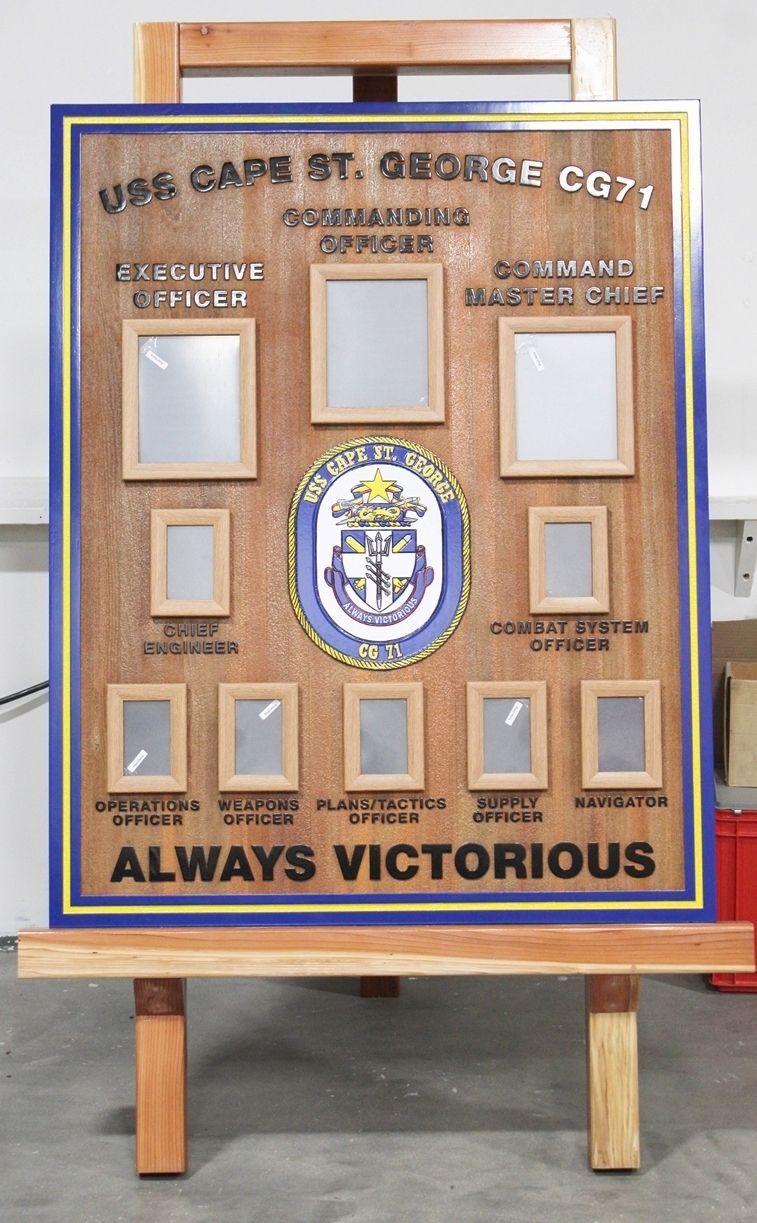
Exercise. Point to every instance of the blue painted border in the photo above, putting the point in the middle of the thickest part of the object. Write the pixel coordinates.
(409, 117)
(56, 519)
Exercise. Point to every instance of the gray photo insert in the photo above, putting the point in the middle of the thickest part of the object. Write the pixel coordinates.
(189, 399)
(620, 734)
(568, 570)
(147, 738)
(566, 396)
(258, 742)
(507, 734)
(189, 563)
(377, 343)
(383, 736)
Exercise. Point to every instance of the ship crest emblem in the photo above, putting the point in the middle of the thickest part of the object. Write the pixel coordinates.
(379, 567)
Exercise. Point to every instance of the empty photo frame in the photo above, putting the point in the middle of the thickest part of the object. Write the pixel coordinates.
(507, 735)
(188, 393)
(621, 734)
(383, 737)
(147, 738)
(568, 568)
(566, 396)
(376, 343)
(258, 741)
(189, 562)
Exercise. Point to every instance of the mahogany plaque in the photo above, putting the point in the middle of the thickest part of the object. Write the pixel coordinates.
(379, 531)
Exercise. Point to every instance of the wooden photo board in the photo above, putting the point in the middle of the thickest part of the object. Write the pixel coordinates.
(379, 549)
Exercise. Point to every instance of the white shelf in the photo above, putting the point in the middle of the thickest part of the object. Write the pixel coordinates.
(742, 511)
(24, 500)
(732, 509)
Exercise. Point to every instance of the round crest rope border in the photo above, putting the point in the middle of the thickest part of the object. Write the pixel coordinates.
(366, 664)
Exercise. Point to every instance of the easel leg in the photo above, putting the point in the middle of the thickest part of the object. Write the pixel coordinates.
(161, 1063)
(613, 1071)
(379, 987)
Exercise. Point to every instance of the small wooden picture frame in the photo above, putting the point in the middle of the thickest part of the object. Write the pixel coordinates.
(258, 737)
(566, 396)
(383, 736)
(507, 735)
(147, 738)
(621, 734)
(568, 562)
(189, 562)
(188, 399)
(376, 343)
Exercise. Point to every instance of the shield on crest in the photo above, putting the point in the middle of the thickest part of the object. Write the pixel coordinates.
(378, 564)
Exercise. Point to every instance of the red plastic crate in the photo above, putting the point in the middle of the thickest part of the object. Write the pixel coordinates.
(736, 866)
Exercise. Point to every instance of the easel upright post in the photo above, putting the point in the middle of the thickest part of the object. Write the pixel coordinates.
(161, 1075)
(612, 1071)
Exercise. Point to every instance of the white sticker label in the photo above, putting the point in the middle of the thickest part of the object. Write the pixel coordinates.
(533, 354)
(156, 360)
(140, 756)
(513, 713)
(269, 709)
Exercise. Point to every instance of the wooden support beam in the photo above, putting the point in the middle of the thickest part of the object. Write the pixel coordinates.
(354, 951)
(161, 1072)
(157, 75)
(593, 65)
(612, 1071)
(228, 46)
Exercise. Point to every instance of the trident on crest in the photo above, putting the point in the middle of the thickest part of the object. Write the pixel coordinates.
(378, 548)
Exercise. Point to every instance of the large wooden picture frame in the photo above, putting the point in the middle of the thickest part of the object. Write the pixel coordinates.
(134, 468)
(619, 326)
(321, 409)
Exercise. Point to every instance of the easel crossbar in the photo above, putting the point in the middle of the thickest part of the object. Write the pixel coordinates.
(220, 47)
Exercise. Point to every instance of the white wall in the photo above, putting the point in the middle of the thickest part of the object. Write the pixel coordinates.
(81, 52)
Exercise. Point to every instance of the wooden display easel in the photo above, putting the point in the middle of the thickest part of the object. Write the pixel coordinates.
(611, 957)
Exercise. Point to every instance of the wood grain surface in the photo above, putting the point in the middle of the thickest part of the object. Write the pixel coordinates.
(507, 222)
(612, 1064)
(388, 951)
(222, 46)
(161, 1076)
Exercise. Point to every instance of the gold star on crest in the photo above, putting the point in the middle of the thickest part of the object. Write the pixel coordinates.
(378, 488)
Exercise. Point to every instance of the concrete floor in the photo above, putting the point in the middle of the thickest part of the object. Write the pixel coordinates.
(461, 1102)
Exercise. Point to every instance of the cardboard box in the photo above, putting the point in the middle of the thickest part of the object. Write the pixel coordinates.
(732, 641)
(740, 724)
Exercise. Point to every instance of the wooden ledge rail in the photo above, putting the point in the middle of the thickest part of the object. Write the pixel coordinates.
(387, 951)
